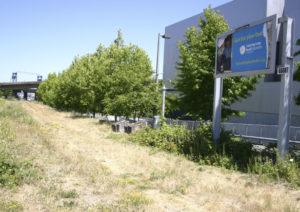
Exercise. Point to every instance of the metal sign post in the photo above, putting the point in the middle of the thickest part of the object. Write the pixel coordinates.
(217, 108)
(286, 86)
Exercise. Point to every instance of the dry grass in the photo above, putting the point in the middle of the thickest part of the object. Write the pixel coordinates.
(87, 168)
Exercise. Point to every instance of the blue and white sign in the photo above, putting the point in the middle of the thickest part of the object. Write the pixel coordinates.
(250, 50)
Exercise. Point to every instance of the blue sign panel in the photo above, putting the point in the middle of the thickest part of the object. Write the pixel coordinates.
(247, 50)
(250, 49)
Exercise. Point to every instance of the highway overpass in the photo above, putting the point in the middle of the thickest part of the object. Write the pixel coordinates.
(26, 87)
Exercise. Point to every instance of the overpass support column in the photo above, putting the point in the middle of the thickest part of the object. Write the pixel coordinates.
(15, 93)
(25, 95)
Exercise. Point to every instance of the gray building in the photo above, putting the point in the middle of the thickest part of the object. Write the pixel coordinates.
(263, 106)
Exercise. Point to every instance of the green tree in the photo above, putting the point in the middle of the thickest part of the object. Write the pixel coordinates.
(46, 91)
(297, 73)
(195, 80)
(131, 92)
(114, 80)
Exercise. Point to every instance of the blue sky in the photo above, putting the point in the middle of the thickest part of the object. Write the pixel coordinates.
(44, 36)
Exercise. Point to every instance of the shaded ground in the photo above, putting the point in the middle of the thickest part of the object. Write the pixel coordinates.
(87, 167)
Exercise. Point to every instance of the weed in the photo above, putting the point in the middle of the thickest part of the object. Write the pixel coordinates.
(6, 133)
(109, 208)
(134, 199)
(69, 204)
(248, 184)
(201, 169)
(117, 136)
(13, 173)
(11, 206)
(143, 187)
(15, 112)
(68, 194)
(157, 175)
(54, 124)
(48, 190)
(127, 181)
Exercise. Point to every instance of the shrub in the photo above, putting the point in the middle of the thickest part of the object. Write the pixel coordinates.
(166, 138)
(280, 170)
(231, 153)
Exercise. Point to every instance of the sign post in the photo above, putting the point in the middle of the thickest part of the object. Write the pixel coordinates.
(217, 110)
(286, 86)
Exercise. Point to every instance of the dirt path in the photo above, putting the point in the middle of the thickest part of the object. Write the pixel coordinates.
(112, 174)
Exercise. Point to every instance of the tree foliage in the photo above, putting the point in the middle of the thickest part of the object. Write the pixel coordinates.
(115, 80)
(297, 73)
(195, 78)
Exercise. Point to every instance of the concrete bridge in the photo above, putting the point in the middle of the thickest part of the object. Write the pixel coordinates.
(16, 87)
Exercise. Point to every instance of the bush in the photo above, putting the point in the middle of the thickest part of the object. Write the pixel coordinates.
(12, 173)
(166, 138)
(231, 153)
(280, 170)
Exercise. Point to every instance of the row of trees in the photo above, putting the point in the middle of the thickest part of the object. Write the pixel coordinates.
(114, 80)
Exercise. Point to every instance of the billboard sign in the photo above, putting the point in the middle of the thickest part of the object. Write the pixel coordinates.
(247, 50)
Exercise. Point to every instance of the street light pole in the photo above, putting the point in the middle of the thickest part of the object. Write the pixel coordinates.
(157, 58)
(157, 61)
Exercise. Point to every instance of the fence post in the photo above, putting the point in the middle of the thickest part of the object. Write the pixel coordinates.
(163, 101)
(156, 122)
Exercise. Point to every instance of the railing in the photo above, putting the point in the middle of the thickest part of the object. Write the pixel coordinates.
(253, 132)
(265, 133)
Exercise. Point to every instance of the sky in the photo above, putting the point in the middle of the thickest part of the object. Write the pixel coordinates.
(44, 36)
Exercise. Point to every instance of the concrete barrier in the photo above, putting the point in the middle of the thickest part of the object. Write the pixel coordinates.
(119, 126)
(131, 128)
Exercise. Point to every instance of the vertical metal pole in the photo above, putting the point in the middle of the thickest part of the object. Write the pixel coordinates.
(286, 87)
(217, 108)
(157, 62)
(163, 101)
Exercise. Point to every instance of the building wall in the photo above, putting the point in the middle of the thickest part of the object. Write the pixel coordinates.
(262, 107)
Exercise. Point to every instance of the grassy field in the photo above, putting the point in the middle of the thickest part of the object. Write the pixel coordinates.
(69, 163)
